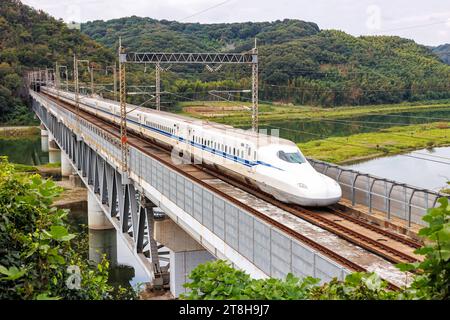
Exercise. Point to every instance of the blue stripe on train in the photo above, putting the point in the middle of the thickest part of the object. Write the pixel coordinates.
(203, 147)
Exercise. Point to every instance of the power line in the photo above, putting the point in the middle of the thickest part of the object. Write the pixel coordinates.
(443, 89)
(431, 155)
(378, 129)
(205, 10)
(415, 26)
(415, 117)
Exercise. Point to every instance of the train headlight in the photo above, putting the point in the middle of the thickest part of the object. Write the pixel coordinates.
(302, 185)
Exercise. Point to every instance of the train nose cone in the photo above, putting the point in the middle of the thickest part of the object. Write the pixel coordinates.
(333, 189)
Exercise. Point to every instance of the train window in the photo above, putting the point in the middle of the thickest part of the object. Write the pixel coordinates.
(292, 157)
(234, 151)
(249, 151)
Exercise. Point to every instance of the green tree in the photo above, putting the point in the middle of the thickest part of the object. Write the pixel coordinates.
(38, 253)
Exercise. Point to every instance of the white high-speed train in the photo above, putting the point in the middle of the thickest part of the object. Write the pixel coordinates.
(274, 165)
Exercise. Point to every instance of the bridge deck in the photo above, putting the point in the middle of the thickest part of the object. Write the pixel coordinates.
(268, 248)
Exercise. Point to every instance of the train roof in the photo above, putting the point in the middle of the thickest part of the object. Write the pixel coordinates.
(222, 129)
(259, 139)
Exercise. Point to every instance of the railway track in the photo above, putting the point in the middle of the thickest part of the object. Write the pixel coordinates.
(386, 244)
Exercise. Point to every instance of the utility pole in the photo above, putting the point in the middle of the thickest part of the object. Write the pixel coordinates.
(57, 76)
(115, 80)
(92, 78)
(255, 111)
(67, 78)
(114, 70)
(123, 112)
(158, 86)
(77, 91)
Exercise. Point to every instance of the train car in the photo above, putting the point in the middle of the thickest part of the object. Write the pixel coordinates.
(271, 164)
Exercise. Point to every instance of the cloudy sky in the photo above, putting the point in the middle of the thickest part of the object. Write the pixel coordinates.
(427, 22)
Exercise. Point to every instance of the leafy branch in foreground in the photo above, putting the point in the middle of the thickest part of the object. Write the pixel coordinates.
(37, 249)
(433, 273)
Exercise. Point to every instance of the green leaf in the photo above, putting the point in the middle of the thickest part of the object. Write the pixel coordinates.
(45, 296)
(406, 266)
(60, 233)
(13, 273)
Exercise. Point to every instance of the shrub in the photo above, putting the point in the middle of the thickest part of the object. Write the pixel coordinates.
(39, 258)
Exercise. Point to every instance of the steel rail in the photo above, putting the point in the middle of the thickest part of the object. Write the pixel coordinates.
(328, 223)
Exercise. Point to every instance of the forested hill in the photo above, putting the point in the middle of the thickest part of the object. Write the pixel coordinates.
(31, 38)
(443, 52)
(150, 34)
(299, 62)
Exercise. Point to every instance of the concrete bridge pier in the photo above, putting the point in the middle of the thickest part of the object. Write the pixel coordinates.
(96, 217)
(44, 138)
(185, 253)
(54, 153)
(103, 242)
(66, 167)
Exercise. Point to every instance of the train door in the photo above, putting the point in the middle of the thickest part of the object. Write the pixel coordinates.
(111, 110)
(141, 120)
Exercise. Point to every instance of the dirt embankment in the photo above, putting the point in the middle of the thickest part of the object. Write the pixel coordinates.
(213, 111)
(19, 131)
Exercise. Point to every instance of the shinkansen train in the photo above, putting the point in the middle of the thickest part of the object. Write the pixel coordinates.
(274, 165)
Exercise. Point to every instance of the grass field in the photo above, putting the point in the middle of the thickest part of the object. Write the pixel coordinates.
(394, 140)
(17, 132)
(224, 112)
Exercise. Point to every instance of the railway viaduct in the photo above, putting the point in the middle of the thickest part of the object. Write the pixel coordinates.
(200, 216)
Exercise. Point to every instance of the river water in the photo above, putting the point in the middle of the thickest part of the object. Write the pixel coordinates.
(301, 131)
(125, 269)
(426, 168)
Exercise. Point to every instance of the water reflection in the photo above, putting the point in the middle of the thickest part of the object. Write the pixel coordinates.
(124, 268)
(306, 130)
(424, 168)
(26, 150)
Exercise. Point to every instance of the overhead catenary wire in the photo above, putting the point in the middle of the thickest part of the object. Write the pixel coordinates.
(414, 26)
(205, 10)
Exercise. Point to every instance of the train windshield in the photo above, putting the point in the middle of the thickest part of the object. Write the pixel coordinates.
(292, 157)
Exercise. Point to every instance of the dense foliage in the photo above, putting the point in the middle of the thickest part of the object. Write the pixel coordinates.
(39, 257)
(299, 62)
(218, 280)
(32, 39)
(433, 279)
